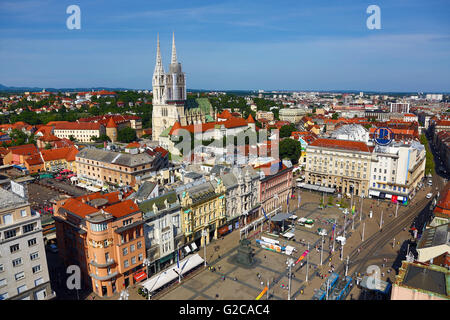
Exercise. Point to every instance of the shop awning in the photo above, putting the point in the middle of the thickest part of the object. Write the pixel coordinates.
(161, 279)
(140, 276)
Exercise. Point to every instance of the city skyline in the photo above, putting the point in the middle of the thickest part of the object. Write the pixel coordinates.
(229, 45)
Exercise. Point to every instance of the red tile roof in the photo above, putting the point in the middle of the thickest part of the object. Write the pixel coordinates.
(341, 144)
(111, 123)
(77, 126)
(26, 149)
(122, 208)
(67, 153)
(35, 159)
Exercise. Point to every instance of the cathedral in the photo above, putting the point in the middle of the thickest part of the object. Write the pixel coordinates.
(170, 103)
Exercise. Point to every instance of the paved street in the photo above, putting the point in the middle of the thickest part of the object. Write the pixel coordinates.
(271, 266)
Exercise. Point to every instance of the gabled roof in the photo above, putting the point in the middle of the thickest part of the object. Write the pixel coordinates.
(26, 149)
(67, 153)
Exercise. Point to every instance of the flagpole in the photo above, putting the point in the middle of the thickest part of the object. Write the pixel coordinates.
(360, 214)
(396, 210)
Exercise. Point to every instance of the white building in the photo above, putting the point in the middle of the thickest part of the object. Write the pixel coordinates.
(396, 170)
(23, 263)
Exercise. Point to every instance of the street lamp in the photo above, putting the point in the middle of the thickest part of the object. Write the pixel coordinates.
(290, 263)
(146, 263)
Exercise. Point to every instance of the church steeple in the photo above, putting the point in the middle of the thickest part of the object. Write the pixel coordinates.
(174, 50)
(159, 69)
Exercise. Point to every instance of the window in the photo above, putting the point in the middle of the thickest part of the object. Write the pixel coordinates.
(17, 262)
(38, 281)
(36, 268)
(3, 296)
(139, 244)
(7, 219)
(22, 288)
(132, 248)
(32, 242)
(28, 228)
(23, 213)
(127, 222)
(19, 276)
(10, 234)
(97, 227)
(125, 251)
(126, 264)
(3, 282)
(34, 255)
(14, 248)
(133, 260)
(140, 257)
(2, 268)
(41, 294)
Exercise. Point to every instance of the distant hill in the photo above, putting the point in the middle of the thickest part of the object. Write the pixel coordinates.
(35, 89)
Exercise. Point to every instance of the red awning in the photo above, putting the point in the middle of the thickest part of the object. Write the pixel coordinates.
(140, 276)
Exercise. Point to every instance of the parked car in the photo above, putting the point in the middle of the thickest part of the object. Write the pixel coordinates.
(429, 195)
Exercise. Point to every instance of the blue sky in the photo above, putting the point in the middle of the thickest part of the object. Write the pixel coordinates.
(224, 45)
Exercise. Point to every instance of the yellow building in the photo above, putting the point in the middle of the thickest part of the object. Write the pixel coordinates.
(59, 159)
(202, 209)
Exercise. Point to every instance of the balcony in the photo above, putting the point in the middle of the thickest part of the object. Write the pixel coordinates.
(105, 278)
(108, 263)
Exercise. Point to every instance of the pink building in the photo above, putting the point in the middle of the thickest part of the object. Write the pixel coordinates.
(276, 186)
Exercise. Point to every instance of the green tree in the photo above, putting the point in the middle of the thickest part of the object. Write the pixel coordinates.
(290, 149)
(48, 146)
(126, 134)
(286, 130)
(335, 116)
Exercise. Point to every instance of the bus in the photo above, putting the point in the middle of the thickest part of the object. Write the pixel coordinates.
(342, 289)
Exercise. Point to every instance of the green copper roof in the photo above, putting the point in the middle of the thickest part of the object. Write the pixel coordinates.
(165, 133)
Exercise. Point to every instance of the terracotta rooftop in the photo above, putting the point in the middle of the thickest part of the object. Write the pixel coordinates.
(341, 144)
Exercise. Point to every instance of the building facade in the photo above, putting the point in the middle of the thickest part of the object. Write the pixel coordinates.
(23, 262)
(242, 185)
(103, 234)
(162, 230)
(81, 131)
(202, 211)
(100, 167)
(396, 170)
(340, 164)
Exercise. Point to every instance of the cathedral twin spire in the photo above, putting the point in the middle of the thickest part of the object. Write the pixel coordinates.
(159, 69)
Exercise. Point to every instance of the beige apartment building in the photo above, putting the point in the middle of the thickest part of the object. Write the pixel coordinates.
(99, 167)
(23, 263)
(340, 164)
